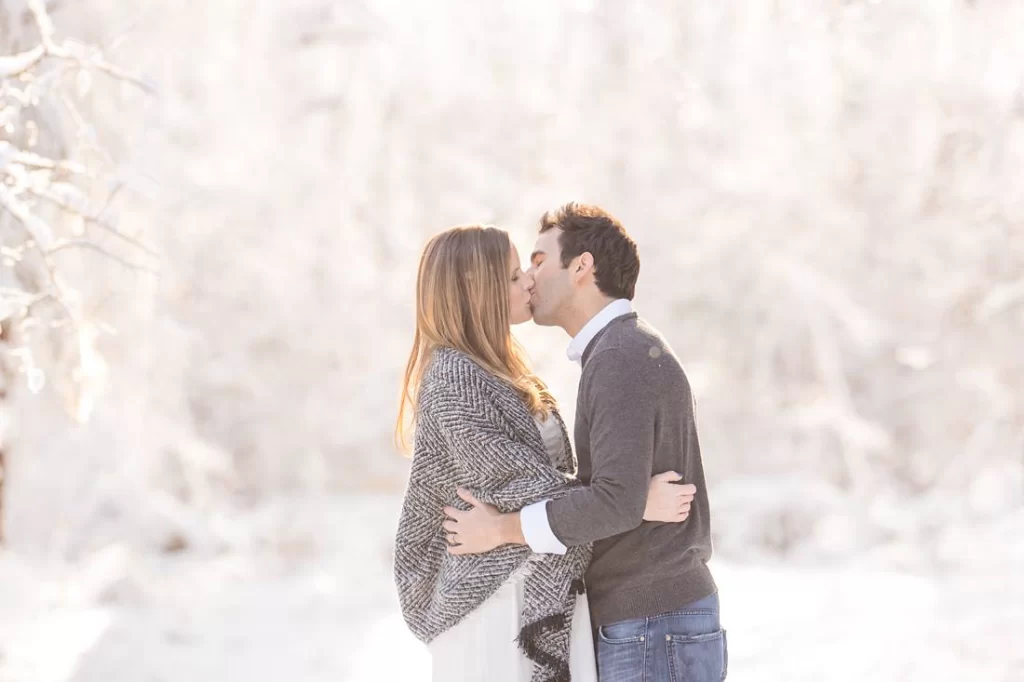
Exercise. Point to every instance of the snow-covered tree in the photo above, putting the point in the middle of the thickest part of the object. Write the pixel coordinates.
(57, 189)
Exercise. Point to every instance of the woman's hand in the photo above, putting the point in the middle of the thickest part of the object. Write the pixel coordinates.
(668, 501)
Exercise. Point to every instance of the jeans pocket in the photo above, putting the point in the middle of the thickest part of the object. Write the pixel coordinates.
(623, 631)
(698, 658)
(621, 660)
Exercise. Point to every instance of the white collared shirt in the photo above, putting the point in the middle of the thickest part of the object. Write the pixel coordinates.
(579, 343)
(534, 518)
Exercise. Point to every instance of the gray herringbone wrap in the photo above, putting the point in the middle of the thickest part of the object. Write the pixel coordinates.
(474, 431)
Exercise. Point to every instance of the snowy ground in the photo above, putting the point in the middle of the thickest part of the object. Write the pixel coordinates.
(309, 599)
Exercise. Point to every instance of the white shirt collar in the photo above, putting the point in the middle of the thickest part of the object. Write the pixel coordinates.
(579, 343)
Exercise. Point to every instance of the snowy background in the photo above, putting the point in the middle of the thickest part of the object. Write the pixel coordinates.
(199, 481)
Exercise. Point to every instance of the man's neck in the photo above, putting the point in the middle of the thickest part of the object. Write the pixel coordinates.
(583, 313)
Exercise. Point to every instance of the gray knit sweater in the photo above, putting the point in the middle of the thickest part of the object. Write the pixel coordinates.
(473, 431)
(634, 418)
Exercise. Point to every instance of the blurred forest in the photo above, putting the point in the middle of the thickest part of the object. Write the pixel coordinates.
(211, 214)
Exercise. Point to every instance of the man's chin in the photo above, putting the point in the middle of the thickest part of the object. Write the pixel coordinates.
(540, 320)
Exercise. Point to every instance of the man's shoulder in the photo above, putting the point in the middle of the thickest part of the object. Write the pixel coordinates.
(635, 345)
(629, 335)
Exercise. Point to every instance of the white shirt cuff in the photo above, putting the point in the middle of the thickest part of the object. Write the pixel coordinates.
(537, 531)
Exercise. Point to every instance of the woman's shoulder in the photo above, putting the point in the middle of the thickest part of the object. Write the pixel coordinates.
(450, 370)
(450, 364)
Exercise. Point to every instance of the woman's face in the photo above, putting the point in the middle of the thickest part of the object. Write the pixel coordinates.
(520, 287)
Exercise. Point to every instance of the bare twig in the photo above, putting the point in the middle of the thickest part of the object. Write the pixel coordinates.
(65, 51)
(100, 64)
(97, 219)
(20, 299)
(14, 65)
(110, 197)
(37, 228)
(43, 22)
(90, 245)
(104, 224)
(33, 160)
(127, 238)
(83, 125)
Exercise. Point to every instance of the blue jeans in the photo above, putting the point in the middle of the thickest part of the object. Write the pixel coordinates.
(687, 645)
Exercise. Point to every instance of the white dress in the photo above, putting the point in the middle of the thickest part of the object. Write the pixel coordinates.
(483, 647)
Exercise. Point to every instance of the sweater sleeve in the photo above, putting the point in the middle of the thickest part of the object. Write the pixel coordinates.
(621, 415)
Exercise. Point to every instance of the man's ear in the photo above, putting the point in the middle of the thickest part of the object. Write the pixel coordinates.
(584, 264)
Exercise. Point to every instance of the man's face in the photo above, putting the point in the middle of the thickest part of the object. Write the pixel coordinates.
(553, 287)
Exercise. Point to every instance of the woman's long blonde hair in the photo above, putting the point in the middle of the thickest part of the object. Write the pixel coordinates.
(462, 302)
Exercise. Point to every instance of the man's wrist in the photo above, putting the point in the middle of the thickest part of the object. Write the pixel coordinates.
(510, 529)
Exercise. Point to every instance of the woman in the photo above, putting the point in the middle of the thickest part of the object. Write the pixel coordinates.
(483, 421)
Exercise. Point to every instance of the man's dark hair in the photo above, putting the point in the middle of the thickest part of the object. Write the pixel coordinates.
(592, 229)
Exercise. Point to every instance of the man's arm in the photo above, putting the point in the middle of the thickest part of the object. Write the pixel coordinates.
(621, 415)
(620, 412)
(668, 501)
(536, 530)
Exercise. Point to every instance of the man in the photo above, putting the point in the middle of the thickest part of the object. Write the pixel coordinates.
(653, 601)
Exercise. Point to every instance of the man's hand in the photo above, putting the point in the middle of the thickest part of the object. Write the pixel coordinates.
(668, 501)
(480, 529)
